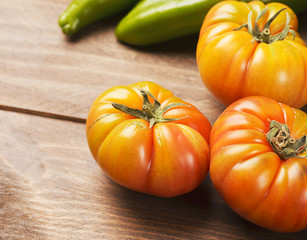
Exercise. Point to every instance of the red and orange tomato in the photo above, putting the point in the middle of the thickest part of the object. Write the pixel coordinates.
(261, 176)
(237, 60)
(148, 140)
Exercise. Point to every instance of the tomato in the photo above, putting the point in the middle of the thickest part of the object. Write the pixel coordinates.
(258, 162)
(238, 58)
(148, 140)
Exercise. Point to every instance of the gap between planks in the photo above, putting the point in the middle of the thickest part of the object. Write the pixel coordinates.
(42, 114)
(60, 116)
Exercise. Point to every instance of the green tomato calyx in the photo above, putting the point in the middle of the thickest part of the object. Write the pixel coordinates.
(151, 112)
(265, 35)
(282, 143)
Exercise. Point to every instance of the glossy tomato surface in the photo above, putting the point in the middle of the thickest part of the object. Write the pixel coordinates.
(167, 159)
(232, 65)
(249, 175)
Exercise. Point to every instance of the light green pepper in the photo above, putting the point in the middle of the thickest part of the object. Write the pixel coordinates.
(83, 12)
(154, 21)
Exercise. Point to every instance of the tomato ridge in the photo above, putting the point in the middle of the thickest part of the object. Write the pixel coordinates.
(305, 76)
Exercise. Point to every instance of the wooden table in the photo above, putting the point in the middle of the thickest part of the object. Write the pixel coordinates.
(50, 186)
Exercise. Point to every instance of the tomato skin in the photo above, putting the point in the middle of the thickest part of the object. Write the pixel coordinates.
(232, 66)
(252, 179)
(165, 160)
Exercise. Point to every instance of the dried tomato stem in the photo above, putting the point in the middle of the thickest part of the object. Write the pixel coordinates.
(265, 35)
(283, 144)
(150, 112)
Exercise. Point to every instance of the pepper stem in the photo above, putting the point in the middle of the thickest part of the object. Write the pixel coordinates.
(265, 35)
(150, 112)
(282, 143)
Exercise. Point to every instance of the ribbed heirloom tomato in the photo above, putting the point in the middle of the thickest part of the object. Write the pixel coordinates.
(259, 163)
(148, 140)
(253, 49)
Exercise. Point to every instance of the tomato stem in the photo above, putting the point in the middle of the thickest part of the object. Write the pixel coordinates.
(265, 35)
(150, 112)
(283, 144)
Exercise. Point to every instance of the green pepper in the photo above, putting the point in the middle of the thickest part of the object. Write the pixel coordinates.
(83, 12)
(154, 21)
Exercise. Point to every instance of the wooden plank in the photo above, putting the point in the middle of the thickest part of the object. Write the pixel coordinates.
(42, 70)
(57, 191)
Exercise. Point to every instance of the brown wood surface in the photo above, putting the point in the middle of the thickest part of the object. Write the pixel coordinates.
(50, 186)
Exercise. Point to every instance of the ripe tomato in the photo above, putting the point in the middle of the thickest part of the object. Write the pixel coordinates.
(258, 162)
(148, 140)
(237, 57)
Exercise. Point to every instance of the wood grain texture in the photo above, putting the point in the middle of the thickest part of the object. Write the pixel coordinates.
(53, 73)
(57, 191)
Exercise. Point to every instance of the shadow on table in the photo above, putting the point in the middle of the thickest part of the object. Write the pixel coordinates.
(201, 214)
(180, 45)
(186, 44)
(96, 28)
